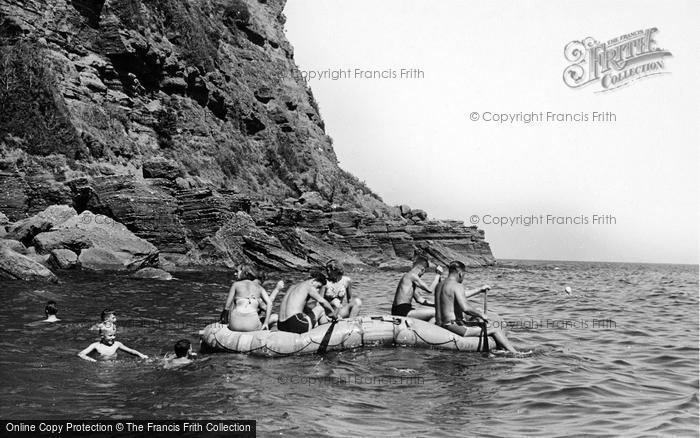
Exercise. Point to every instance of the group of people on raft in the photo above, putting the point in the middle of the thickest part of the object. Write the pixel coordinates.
(249, 307)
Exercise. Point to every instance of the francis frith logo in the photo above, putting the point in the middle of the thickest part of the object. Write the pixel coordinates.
(616, 62)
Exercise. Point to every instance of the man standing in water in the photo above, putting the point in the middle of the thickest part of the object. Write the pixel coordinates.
(451, 304)
(295, 316)
(407, 290)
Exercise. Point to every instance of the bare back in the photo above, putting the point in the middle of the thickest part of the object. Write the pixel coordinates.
(448, 303)
(295, 300)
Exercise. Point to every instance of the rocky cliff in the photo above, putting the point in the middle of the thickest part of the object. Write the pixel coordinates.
(188, 122)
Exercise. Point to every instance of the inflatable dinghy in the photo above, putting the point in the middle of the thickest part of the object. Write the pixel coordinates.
(345, 334)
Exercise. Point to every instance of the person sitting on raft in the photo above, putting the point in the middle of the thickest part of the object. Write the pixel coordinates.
(407, 290)
(246, 295)
(338, 287)
(451, 305)
(108, 346)
(295, 315)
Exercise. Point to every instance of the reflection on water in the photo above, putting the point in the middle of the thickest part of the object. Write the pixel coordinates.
(617, 356)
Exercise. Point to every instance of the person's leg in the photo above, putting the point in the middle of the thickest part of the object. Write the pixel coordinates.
(463, 330)
(319, 314)
(352, 309)
(501, 339)
(423, 314)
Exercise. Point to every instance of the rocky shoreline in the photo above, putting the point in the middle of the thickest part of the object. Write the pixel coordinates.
(211, 230)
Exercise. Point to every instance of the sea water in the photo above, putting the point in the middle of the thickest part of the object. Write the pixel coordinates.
(616, 356)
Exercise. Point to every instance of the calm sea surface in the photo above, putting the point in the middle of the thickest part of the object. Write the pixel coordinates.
(617, 357)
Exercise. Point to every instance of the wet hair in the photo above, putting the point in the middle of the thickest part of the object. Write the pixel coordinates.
(106, 312)
(182, 347)
(456, 267)
(334, 270)
(318, 276)
(247, 272)
(50, 308)
(420, 261)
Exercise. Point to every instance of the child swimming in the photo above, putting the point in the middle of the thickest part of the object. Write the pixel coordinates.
(108, 346)
(183, 354)
(50, 311)
(108, 319)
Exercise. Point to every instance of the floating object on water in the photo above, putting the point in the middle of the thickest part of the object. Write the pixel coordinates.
(346, 334)
(567, 289)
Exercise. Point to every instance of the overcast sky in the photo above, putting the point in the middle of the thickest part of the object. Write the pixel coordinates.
(413, 142)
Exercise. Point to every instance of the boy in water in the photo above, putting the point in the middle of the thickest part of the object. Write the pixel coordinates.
(407, 290)
(295, 316)
(50, 311)
(451, 305)
(109, 320)
(108, 346)
(183, 354)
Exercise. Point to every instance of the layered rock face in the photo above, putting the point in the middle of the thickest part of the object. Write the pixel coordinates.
(189, 123)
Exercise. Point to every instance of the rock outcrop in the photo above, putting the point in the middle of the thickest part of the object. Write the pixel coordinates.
(15, 266)
(185, 136)
(100, 242)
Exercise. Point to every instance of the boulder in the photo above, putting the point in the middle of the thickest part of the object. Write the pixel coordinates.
(26, 229)
(153, 273)
(444, 255)
(174, 85)
(419, 215)
(13, 245)
(162, 168)
(405, 210)
(3, 220)
(101, 242)
(313, 200)
(39, 258)
(63, 259)
(15, 266)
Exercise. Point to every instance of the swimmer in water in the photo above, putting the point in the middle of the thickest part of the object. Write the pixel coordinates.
(108, 347)
(109, 320)
(50, 311)
(183, 354)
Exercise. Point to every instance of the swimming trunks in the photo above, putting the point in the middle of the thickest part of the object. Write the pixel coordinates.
(401, 309)
(298, 323)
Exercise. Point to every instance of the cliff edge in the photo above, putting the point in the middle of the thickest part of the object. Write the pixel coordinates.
(188, 122)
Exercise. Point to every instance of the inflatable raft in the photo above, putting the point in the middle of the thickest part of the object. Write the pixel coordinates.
(345, 334)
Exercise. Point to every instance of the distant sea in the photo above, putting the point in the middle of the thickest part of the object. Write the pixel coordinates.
(619, 356)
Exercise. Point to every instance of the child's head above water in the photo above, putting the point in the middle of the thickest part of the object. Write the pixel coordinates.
(50, 309)
(109, 315)
(108, 334)
(182, 348)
